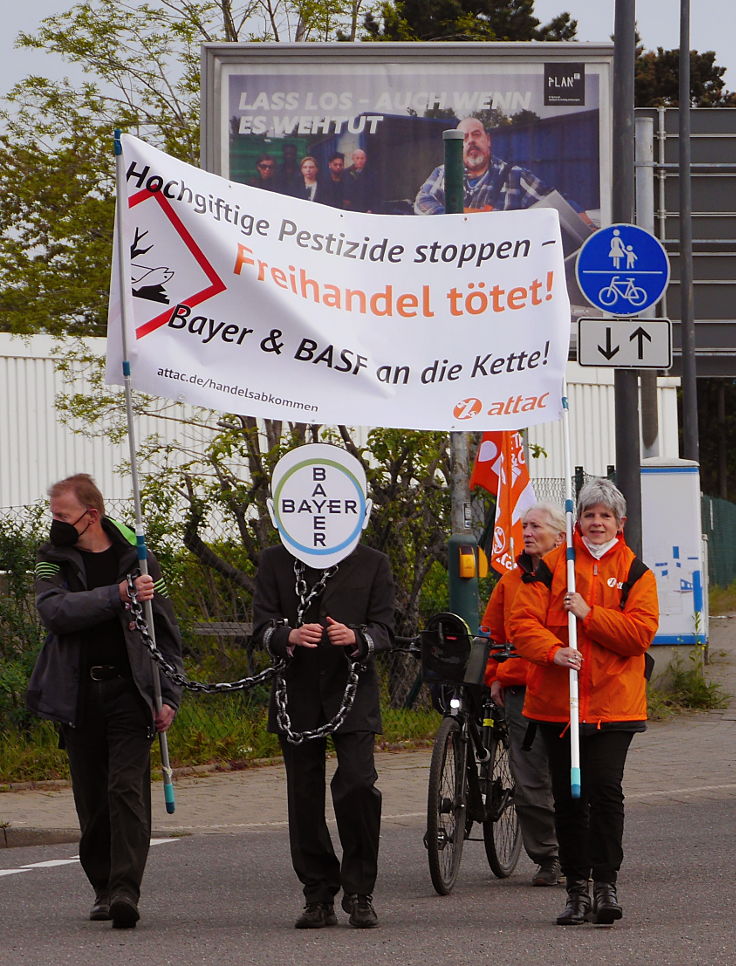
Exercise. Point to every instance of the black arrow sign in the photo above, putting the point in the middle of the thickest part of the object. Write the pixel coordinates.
(608, 352)
(641, 335)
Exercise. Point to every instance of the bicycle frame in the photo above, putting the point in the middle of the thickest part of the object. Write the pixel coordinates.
(459, 707)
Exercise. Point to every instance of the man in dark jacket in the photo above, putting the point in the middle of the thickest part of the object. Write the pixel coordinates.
(95, 679)
(323, 612)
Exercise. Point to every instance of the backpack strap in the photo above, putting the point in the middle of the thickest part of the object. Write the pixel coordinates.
(637, 569)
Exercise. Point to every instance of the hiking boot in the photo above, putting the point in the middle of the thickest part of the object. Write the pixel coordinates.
(548, 873)
(362, 913)
(317, 915)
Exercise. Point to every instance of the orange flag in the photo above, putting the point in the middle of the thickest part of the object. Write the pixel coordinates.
(500, 467)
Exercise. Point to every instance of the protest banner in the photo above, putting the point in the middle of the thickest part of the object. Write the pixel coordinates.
(248, 301)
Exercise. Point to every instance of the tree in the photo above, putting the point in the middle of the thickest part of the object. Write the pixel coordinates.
(56, 162)
(463, 20)
(658, 76)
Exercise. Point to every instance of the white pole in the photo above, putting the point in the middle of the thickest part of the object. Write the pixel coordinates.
(124, 285)
(572, 627)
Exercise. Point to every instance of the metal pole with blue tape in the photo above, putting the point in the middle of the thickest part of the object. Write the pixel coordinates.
(124, 286)
(572, 627)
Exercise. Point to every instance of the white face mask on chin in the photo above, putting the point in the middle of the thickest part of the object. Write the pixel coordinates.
(599, 549)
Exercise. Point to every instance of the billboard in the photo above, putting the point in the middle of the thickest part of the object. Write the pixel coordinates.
(359, 126)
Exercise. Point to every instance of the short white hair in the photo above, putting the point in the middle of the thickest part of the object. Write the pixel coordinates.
(555, 515)
(601, 490)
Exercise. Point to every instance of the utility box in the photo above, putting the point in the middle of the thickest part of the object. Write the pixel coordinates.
(672, 548)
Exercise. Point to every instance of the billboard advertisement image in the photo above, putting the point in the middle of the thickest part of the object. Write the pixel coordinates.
(359, 127)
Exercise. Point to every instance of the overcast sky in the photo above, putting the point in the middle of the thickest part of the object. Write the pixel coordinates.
(712, 27)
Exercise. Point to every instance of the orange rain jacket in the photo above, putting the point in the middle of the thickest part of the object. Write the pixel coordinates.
(512, 672)
(611, 683)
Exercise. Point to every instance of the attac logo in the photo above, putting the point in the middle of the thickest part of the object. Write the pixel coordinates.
(165, 284)
(467, 408)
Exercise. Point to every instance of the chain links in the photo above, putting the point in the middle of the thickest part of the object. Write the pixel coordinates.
(136, 610)
(282, 714)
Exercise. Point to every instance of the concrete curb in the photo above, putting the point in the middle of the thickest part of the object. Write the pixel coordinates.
(14, 838)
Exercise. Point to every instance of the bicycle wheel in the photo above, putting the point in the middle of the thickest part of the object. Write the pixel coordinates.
(637, 296)
(501, 831)
(608, 295)
(446, 805)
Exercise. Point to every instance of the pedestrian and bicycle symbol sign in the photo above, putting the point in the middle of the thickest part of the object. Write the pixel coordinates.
(622, 269)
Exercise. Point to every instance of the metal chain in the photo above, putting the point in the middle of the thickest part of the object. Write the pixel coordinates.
(297, 737)
(136, 610)
(284, 721)
(305, 598)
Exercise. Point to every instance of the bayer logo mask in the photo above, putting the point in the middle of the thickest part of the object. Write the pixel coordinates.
(318, 503)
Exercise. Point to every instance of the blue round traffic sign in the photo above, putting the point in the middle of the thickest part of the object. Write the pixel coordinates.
(622, 269)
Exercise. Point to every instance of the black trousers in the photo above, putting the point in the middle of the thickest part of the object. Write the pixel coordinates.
(109, 759)
(590, 828)
(357, 805)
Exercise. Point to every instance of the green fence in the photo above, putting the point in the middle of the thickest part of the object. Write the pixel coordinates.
(719, 525)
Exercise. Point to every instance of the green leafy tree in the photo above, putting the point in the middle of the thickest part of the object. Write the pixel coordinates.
(141, 67)
(658, 77)
(463, 20)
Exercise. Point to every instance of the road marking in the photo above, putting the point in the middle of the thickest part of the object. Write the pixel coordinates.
(53, 863)
(682, 791)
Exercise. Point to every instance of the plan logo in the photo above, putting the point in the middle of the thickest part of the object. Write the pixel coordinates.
(184, 277)
(564, 84)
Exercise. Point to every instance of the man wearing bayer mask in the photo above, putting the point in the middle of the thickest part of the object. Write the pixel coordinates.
(94, 678)
(324, 604)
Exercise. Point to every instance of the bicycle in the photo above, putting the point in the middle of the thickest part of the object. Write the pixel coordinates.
(622, 288)
(470, 780)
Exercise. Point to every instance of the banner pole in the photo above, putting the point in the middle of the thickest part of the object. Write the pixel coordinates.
(572, 626)
(124, 284)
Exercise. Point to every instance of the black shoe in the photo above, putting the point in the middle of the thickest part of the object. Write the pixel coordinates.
(362, 913)
(100, 911)
(606, 909)
(578, 903)
(317, 915)
(548, 873)
(123, 912)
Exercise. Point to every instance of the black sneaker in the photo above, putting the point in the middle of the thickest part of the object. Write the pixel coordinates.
(362, 913)
(124, 912)
(317, 915)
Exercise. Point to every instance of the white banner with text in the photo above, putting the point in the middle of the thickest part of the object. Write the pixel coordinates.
(248, 301)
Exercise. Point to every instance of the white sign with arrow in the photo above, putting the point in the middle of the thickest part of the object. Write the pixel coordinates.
(625, 343)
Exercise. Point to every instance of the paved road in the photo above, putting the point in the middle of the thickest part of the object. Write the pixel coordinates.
(225, 893)
(231, 900)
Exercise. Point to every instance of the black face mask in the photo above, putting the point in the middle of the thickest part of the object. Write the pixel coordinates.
(64, 534)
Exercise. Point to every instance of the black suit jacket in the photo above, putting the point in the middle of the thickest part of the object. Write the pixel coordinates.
(361, 595)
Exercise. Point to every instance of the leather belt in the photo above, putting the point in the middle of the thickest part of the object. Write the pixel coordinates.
(105, 672)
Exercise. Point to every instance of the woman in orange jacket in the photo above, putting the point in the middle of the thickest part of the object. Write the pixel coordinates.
(616, 622)
(543, 529)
